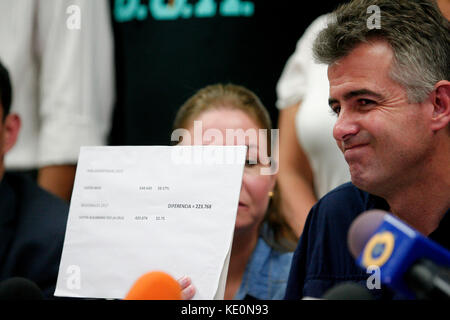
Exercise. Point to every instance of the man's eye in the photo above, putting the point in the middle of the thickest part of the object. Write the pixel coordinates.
(365, 102)
(335, 110)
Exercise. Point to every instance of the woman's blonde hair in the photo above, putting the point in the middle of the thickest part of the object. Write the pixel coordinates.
(222, 96)
(230, 96)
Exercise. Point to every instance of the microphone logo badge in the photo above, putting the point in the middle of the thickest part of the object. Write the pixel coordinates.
(378, 249)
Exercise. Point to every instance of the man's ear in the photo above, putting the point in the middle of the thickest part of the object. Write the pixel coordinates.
(440, 98)
(11, 128)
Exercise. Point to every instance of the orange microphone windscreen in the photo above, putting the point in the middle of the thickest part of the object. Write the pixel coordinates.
(155, 285)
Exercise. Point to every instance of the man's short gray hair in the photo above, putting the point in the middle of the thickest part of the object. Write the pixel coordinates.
(416, 30)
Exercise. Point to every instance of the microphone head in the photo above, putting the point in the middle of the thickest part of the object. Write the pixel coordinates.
(20, 289)
(155, 285)
(362, 229)
(348, 291)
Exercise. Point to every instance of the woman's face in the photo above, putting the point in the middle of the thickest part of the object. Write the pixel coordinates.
(255, 188)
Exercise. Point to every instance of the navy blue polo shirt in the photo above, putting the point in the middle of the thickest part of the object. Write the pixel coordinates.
(322, 259)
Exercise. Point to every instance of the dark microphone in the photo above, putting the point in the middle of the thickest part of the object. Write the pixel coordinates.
(20, 289)
(348, 291)
(408, 262)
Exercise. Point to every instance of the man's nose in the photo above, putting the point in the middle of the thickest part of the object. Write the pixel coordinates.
(346, 125)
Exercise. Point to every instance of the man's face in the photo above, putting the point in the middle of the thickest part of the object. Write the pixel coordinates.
(9, 129)
(2, 138)
(384, 138)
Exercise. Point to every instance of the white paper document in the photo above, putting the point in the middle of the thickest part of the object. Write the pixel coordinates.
(155, 208)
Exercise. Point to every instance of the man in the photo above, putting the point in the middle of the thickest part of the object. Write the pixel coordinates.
(32, 222)
(389, 88)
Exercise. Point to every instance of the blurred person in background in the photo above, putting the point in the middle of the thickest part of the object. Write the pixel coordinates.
(311, 164)
(60, 57)
(32, 221)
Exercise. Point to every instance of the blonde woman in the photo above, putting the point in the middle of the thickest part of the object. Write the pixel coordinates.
(263, 242)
